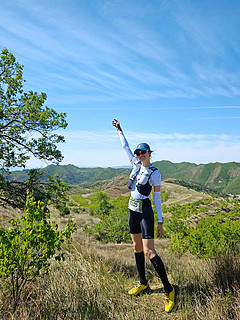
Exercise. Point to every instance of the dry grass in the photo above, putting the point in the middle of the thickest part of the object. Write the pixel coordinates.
(181, 195)
(93, 282)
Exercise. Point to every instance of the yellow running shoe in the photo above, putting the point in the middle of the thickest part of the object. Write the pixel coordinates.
(170, 299)
(140, 288)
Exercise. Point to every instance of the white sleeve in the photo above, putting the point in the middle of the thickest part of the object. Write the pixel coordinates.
(126, 147)
(155, 178)
(158, 205)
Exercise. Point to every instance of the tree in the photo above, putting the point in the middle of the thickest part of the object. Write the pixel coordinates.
(27, 247)
(27, 127)
(49, 189)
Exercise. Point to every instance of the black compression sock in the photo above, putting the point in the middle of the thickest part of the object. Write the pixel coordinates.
(160, 269)
(140, 262)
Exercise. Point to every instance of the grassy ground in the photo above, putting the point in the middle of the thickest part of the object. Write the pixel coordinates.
(91, 284)
(93, 281)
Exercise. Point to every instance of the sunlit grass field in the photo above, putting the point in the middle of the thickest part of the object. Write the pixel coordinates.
(90, 284)
(93, 282)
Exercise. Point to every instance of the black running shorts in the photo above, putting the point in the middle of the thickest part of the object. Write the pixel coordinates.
(142, 222)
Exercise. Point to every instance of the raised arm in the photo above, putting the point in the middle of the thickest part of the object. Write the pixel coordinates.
(124, 142)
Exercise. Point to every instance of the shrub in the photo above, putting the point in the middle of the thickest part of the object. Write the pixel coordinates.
(100, 205)
(178, 243)
(71, 204)
(63, 210)
(26, 248)
(114, 226)
(213, 236)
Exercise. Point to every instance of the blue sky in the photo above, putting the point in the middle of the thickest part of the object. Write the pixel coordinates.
(168, 70)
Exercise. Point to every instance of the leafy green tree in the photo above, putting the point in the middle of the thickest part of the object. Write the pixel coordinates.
(27, 247)
(27, 127)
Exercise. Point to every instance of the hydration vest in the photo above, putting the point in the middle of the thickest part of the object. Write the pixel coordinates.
(143, 186)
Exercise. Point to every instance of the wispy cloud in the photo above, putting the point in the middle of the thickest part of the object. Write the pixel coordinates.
(92, 148)
(117, 56)
(174, 62)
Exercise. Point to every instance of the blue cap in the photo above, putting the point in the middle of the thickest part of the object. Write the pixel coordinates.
(142, 146)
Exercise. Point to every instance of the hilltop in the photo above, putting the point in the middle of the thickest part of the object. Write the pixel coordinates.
(214, 177)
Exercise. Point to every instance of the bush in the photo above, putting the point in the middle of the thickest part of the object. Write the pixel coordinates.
(213, 236)
(27, 247)
(100, 205)
(71, 204)
(63, 210)
(114, 226)
(178, 243)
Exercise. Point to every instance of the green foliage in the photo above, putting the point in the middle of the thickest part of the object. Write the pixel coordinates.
(212, 235)
(71, 204)
(63, 210)
(50, 191)
(80, 200)
(175, 224)
(165, 195)
(27, 247)
(77, 210)
(26, 126)
(26, 129)
(113, 227)
(178, 243)
(100, 205)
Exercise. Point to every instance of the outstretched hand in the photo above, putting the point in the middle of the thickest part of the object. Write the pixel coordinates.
(116, 124)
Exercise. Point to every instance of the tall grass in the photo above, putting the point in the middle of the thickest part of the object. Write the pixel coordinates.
(91, 285)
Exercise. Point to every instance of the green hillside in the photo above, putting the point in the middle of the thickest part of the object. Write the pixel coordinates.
(74, 175)
(169, 169)
(221, 177)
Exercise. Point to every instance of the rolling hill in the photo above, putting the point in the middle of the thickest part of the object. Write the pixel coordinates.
(219, 177)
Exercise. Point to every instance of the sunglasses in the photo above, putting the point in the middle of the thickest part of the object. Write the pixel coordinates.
(138, 153)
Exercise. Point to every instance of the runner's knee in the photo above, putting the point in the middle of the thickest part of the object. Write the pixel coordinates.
(149, 253)
(137, 247)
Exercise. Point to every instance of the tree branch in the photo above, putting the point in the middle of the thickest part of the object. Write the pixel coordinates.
(20, 143)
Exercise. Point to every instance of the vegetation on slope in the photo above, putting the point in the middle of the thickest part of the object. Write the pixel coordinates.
(93, 281)
(216, 177)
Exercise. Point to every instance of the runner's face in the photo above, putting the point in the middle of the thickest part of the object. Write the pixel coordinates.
(143, 157)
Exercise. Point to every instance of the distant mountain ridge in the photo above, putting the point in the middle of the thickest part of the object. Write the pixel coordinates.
(223, 177)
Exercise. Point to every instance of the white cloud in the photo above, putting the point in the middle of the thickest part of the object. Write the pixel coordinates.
(112, 53)
(92, 149)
